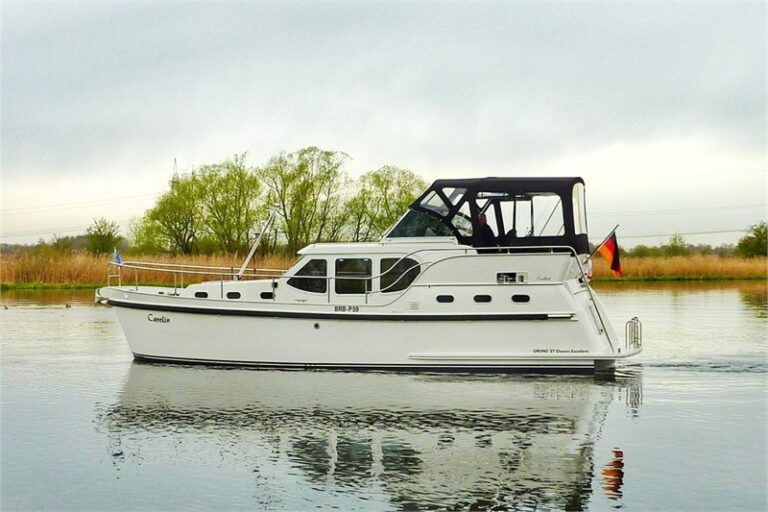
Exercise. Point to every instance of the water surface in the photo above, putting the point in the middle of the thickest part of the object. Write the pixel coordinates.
(682, 427)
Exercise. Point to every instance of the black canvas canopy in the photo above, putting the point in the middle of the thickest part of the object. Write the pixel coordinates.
(521, 212)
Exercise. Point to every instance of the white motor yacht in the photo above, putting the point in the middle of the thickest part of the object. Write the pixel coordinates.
(480, 274)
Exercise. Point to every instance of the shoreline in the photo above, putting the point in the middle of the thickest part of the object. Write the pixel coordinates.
(600, 280)
(82, 271)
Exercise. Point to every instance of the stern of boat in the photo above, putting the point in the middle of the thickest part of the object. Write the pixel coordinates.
(633, 345)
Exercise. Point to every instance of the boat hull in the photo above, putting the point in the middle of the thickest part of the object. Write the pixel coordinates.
(405, 342)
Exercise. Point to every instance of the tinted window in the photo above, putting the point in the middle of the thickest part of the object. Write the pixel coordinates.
(444, 299)
(482, 298)
(397, 274)
(454, 195)
(521, 298)
(201, 295)
(462, 220)
(233, 295)
(307, 277)
(435, 203)
(416, 224)
(357, 269)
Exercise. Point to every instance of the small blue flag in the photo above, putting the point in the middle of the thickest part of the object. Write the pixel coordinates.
(118, 259)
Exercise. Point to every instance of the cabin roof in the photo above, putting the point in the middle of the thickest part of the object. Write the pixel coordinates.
(455, 204)
(560, 186)
(400, 246)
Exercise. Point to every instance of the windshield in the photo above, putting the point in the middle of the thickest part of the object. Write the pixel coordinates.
(419, 224)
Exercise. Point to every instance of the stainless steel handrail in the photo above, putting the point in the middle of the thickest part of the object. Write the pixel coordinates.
(277, 274)
(192, 269)
(270, 273)
(183, 266)
(633, 334)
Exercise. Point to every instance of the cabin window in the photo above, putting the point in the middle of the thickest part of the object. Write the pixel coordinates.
(532, 215)
(521, 298)
(355, 270)
(233, 295)
(201, 295)
(462, 221)
(483, 299)
(579, 210)
(397, 274)
(311, 277)
(454, 195)
(435, 203)
(444, 299)
(419, 224)
(267, 295)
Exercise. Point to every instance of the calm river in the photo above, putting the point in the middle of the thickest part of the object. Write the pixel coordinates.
(683, 427)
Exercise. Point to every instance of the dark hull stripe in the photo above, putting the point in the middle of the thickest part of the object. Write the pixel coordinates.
(316, 315)
(461, 368)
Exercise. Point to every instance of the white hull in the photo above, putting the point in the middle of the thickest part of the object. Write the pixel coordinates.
(410, 302)
(309, 338)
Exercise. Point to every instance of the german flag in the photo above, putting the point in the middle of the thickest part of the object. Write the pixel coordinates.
(610, 252)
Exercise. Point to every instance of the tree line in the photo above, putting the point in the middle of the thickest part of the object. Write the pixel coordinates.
(754, 243)
(218, 208)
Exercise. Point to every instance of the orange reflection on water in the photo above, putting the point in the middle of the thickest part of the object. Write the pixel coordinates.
(613, 475)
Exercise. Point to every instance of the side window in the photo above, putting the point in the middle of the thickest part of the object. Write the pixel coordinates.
(435, 203)
(307, 277)
(398, 274)
(548, 215)
(532, 215)
(462, 221)
(579, 210)
(490, 218)
(454, 195)
(508, 217)
(357, 268)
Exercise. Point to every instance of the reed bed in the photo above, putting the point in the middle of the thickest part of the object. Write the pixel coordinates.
(84, 270)
(80, 270)
(692, 267)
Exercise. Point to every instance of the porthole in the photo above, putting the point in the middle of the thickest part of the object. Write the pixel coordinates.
(233, 295)
(201, 295)
(482, 298)
(521, 298)
(267, 295)
(444, 299)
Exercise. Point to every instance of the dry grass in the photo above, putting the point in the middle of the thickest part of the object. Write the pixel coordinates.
(83, 270)
(686, 267)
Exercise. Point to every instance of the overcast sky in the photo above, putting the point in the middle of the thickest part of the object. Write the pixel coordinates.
(660, 106)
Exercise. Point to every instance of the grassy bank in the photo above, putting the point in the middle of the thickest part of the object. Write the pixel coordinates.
(697, 267)
(86, 271)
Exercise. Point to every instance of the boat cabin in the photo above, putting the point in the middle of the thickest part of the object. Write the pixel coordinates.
(509, 215)
(505, 212)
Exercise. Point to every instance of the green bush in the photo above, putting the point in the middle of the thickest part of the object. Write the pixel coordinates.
(755, 243)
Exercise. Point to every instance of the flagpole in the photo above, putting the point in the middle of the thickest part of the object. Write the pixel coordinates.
(597, 247)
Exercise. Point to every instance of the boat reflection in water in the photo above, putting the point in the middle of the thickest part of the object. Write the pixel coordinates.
(409, 440)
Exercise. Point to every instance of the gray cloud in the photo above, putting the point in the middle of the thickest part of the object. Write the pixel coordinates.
(427, 85)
